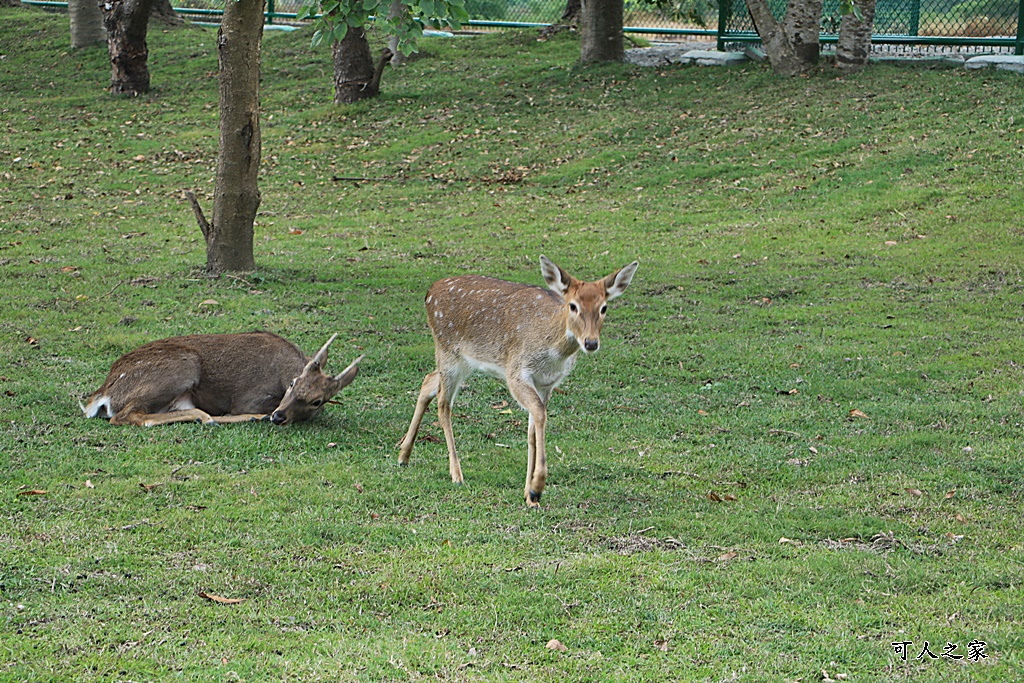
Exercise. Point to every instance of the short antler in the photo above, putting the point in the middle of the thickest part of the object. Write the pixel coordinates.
(321, 355)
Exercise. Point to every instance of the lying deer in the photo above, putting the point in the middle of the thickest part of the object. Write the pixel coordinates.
(522, 334)
(217, 379)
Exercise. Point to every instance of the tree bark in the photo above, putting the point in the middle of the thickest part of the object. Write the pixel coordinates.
(10, 3)
(792, 45)
(854, 44)
(601, 31)
(573, 9)
(397, 9)
(126, 22)
(229, 241)
(164, 12)
(86, 21)
(355, 77)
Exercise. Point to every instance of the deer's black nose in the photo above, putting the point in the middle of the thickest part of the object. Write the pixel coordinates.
(591, 345)
(278, 417)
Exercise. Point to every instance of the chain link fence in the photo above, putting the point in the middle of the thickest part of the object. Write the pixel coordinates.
(962, 26)
(944, 25)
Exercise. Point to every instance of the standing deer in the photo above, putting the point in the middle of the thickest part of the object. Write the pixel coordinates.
(217, 379)
(522, 334)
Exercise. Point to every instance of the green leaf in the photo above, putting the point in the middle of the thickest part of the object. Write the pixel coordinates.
(340, 31)
(318, 37)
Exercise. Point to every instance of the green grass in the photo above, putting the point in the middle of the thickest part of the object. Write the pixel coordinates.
(808, 247)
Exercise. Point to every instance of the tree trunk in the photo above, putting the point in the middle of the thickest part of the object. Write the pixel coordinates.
(854, 44)
(229, 240)
(10, 3)
(573, 9)
(397, 9)
(126, 22)
(86, 21)
(792, 45)
(355, 77)
(163, 12)
(601, 31)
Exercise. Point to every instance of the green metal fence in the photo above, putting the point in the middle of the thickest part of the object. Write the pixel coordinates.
(967, 25)
(963, 25)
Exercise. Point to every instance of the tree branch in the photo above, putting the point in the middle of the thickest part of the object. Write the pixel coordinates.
(204, 225)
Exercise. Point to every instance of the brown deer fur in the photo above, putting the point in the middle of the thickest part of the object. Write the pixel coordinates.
(217, 378)
(524, 335)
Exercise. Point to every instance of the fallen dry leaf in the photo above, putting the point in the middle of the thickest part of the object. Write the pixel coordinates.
(554, 644)
(960, 518)
(148, 487)
(714, 496)
(294, 231)
(860, 414)
(209, 302)
(891, 243)
(917, 493)
(950, 494)
(789, 541)
(32, 492)
(88, 484)
(661, 645)
(218, 599)
(359, 487)
(725, 557)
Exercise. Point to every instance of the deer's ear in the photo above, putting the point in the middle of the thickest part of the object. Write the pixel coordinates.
(616, 283)
(346, 376)
(558, 280)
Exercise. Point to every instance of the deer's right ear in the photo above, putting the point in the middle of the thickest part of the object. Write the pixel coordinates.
(558, 280)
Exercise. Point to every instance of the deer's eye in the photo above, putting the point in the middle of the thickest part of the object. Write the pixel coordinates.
(574, 308)
(604, 309)
(316, 403)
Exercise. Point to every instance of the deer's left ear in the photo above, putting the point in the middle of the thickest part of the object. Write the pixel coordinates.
(616, 283)
(346, 376)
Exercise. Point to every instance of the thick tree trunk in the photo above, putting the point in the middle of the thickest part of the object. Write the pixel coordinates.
(164, 12)
(397, 9)
(229, 240)
(10, 3)
(792, 45)
(573, 10)
(355, 77)
(86, 21)
(126, 22)
(601, 31)
(854, 44)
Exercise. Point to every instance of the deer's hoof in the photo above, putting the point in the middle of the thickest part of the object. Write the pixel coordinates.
(533, 499)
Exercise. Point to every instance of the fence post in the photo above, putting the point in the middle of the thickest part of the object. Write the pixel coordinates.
(724, 13)
(1019, 45)
(915, 17)
(270, 11)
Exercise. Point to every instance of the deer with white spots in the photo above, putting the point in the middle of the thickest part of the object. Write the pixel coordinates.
(522, 334)
(217, 379)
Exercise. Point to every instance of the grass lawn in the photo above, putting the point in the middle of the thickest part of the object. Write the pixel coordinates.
(799, 444)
